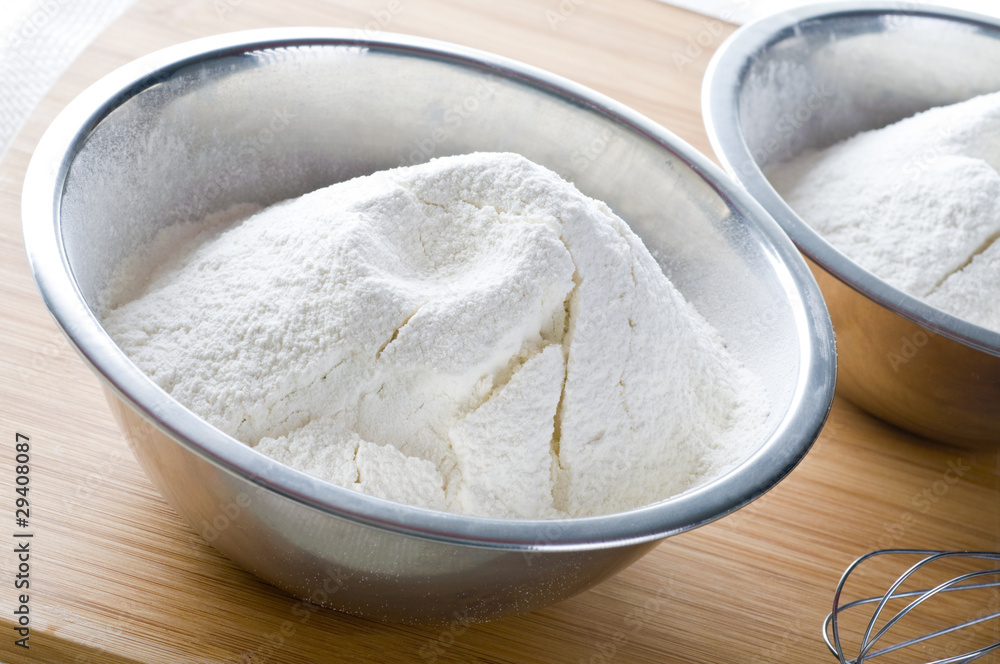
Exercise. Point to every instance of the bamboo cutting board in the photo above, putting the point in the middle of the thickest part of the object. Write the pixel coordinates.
(116, 577)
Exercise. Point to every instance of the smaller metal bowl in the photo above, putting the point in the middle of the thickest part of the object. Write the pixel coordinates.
(810, 77)
(266, 115)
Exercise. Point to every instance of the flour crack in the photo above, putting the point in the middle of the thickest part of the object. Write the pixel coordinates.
(395, 333)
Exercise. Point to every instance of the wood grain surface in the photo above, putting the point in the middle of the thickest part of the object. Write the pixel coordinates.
(116, 577)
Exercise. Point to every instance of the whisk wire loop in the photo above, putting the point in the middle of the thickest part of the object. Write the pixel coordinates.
(831, 628)
(951, 585)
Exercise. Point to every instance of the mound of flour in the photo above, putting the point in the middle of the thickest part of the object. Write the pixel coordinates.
(469, 335)
(917, 203)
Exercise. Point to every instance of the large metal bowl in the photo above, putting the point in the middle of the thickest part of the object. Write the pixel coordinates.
(810, 77)
(265, 115)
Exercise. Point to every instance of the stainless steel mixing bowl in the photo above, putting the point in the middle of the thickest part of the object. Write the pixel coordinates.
(265, 115)
(810, 77)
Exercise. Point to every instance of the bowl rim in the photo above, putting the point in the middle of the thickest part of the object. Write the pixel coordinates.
(44, 182)
(720, 96)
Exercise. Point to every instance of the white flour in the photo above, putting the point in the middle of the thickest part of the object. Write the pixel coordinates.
(917, 203)
(470, 335)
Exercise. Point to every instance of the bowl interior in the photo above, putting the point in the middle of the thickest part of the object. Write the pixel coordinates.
(827, 78)
(810, 77)
(272, 120)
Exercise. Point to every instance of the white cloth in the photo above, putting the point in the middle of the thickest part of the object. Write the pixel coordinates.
(742, 11)
(38, 41)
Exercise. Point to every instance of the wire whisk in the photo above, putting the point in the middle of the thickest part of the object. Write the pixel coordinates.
(877, 638)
